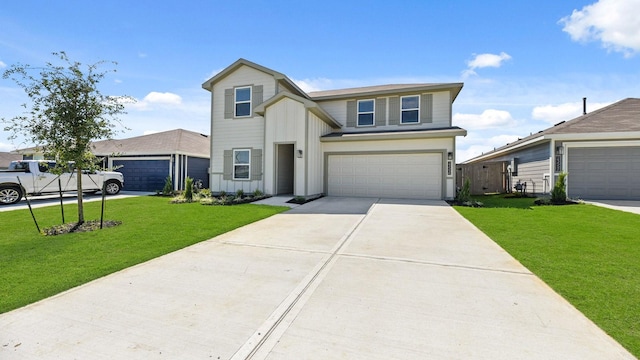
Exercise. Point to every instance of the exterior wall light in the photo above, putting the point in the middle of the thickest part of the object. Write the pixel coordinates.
(299, 153)
(449, 156)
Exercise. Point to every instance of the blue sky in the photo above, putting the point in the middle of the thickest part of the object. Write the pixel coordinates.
(525, 66)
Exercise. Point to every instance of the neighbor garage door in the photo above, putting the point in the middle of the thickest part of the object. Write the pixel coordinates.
(413, 176)
(604, 173)
(143, 175)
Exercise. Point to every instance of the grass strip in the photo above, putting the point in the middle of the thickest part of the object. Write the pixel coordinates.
(587, 254)
(34, 267)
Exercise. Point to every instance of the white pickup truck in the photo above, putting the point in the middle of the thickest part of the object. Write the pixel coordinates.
(37, 179)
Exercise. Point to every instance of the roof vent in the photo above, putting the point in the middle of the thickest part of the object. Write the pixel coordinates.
(584, 106)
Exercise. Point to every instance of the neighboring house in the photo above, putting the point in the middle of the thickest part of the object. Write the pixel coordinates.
(146, 161)
(7, 157)
(600, 152)
(378, 141)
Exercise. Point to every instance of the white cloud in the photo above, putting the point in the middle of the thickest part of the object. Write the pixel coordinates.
(163, 98)
(488, 119)
(615, 23)
(2, 64)
(485, 60)
(310, 85)
(553, 114)
(142, 55)
(5, 147)
(157, 99)
(475, 145)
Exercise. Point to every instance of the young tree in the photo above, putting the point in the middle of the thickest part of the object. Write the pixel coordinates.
(67, 111)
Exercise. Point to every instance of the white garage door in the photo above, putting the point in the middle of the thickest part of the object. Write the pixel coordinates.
(604, 173)
(408, 176)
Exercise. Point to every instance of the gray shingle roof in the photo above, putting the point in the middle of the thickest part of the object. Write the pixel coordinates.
(623, 115)
(178, 141)
(619, 117)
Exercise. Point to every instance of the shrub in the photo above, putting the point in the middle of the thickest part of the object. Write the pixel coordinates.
(168, 187)
(205, 193)
(559, 194)
(239, 193)
(464, 195)
(257, 193)
(188, 189)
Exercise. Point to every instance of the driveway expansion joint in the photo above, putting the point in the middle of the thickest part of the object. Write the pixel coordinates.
(261, 342)
(432, 263)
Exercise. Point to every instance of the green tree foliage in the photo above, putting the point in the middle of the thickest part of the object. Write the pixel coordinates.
(67, 111)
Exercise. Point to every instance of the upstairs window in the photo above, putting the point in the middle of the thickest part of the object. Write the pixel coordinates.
(365, 112)
(241, 164)
(242, 101)
(410, 109)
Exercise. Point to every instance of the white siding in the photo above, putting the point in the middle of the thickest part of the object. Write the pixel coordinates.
(236, 133)
(285, 124)
(315, 166)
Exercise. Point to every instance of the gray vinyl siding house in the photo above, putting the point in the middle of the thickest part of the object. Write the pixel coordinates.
(599, 151)
(377, 141)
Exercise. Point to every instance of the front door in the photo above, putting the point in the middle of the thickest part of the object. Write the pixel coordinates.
(284, 169)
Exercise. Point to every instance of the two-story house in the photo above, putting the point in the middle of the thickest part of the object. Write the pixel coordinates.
(393, 141)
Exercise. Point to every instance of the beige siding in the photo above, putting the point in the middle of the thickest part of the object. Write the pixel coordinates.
(533, 174)
(236, 133)
(315, 166)
(441, 109)
(441, 113)
(285, 124)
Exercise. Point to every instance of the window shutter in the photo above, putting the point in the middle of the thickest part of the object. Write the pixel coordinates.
(227, 166)
(352, 113)
(394, 110)
(228, 104)
(381, 112)
(256, 97)
(426, 108)
(256, 164)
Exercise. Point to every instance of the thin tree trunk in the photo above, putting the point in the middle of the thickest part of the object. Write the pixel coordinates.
(80, 194)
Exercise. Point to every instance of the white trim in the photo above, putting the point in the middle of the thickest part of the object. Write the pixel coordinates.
(236, 102)
(233, 169)
(410, 109)
(372, 112)
(596, 136)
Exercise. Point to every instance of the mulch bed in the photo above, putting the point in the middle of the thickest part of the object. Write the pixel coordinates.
(75, 227)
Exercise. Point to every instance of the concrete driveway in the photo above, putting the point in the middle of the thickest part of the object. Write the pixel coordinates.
(336, 278)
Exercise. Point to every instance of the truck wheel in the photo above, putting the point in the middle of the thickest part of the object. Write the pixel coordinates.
(10, 195)
(113, 187)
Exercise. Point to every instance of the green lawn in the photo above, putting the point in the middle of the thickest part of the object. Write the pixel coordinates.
(33, 266)
(588, 254)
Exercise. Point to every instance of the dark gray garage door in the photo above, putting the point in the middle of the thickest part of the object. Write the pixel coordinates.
(604, 173)
(143, 175)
